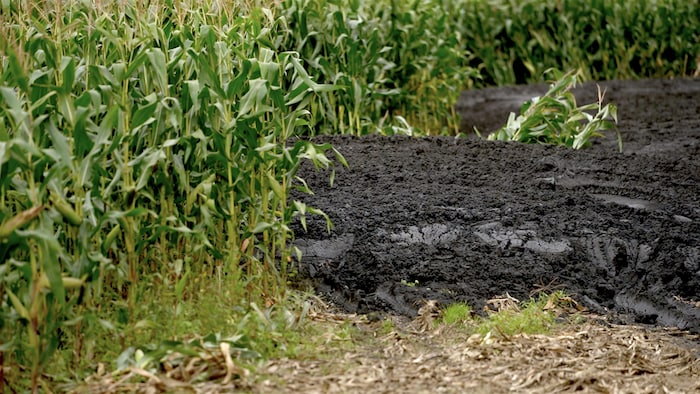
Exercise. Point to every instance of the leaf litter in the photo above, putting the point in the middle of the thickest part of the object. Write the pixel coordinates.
(588, 356)
(582, 354)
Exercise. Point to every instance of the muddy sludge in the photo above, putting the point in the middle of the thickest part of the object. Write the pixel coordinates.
(466, 220)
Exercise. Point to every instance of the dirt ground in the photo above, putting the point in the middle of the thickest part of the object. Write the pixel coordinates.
(450, 219)
(587, 357)
(397, 355)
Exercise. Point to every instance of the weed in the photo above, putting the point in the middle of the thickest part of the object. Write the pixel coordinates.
(530, 319)
(510, 317)
(536, 316)
(387, 326)
(456, 313)
(409, 284)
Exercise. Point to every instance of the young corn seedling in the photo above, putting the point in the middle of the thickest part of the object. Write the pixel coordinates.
(556, 119)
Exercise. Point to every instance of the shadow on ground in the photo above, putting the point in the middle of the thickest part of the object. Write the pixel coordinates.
(466, 220)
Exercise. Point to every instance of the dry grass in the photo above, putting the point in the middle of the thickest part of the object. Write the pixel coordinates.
(589, 356)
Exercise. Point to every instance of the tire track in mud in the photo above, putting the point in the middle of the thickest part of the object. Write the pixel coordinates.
(465, 220)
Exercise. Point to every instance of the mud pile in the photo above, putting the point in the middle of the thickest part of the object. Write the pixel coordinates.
(465, 220)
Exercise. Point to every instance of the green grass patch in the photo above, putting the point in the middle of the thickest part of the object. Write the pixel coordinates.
(457, 313)
(529, 319)
(535, 316)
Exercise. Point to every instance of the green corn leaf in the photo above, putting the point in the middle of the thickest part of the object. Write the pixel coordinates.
(261, 227)
(109, 123)
(82, 143)
(4, 153)
(14, 105)
(191, 102)
(252, 100)
(66, 108)
(180, 286)
(18, 71)
(301, 72)
(157, 59)
(17, 304)
(49, 252)
(144, 115)
(297, 93)
(139, 61)
(179, 168)
(276, 187)
(146, 163)
(339, 156)
(62, 146)
(67, 75)
(118, 71)
(42, 101)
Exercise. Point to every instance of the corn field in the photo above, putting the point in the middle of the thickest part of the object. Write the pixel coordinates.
(143, 146)
(150, 146)
(516, 41)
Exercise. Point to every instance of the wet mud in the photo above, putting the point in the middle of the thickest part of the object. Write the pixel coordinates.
(464, 219)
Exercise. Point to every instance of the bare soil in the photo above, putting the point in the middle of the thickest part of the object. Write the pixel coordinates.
(463, 219)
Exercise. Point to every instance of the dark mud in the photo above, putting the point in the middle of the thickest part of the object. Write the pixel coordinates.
(465, 220)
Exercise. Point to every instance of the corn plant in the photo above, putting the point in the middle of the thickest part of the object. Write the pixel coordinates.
(555, 118)
(516, 41)
(142, 144)
(401, 64)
